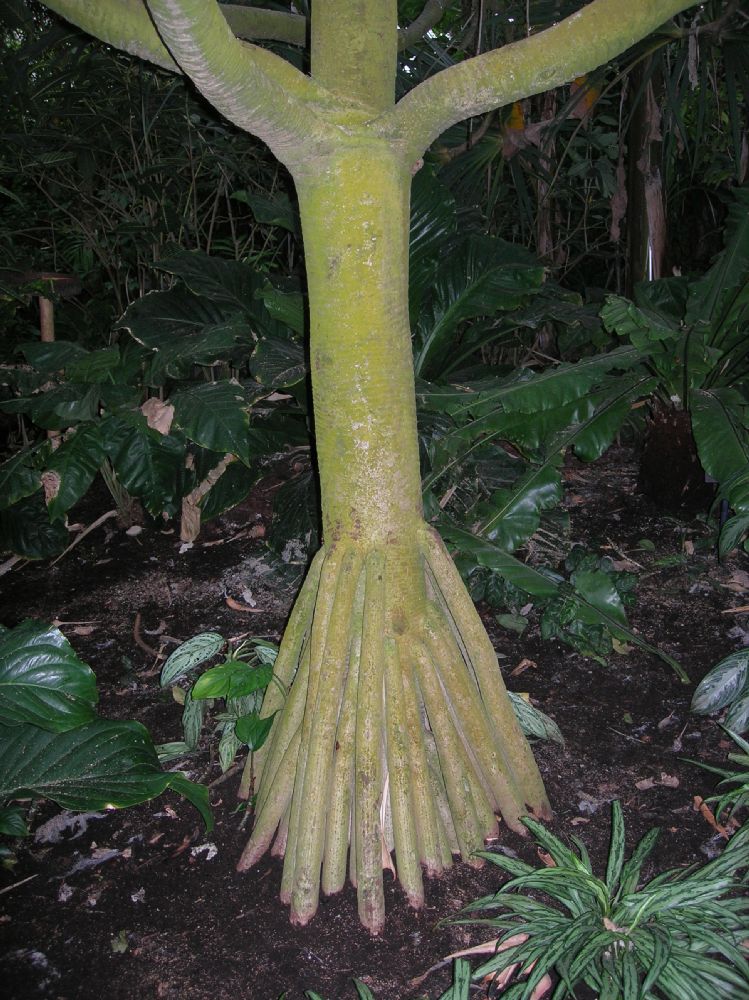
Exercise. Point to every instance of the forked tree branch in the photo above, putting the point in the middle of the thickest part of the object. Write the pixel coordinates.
(253, 88)
(574, 46)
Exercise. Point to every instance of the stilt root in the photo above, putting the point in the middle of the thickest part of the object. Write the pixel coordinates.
(396, 733)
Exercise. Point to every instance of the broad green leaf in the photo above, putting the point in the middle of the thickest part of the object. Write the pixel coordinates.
(95, 367)
(214, 415)
(55, 356)
(25, 528)
(96, 766)
(148, 464)
(600, 595)
(720, 432)
(480, 277)
(276, 211)
(75, 463)
(492, 557)
(511, 516)
(723, 684)
(432, 228)
(734, 531)
(13, 821)
(42, 681)
(642, 329)
(286, 308)
(364, 992)
(230, 489)
(229, 285)
(232, 679)
(278, 362)
(184, 329)
(228, 747)
(19, 477)
(189, 655)
(59, 407)
(253, 730)
(195, 793)
(711, 297)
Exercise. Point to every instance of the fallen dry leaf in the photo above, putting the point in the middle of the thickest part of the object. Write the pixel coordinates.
(645, 784)
(245, 608)
(524, 664)
(669, 780)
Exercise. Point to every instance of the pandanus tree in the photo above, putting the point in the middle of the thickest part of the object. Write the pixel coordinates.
(395, 731)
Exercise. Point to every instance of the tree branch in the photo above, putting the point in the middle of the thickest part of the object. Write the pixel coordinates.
(430, 15)
(255, 89)
(572, 47)
(256, 24)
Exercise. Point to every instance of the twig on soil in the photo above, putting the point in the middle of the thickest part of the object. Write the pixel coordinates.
(94, 524)
(8, 565)
(736, 611)
(238, 606)
(140, 641)
(9, 888)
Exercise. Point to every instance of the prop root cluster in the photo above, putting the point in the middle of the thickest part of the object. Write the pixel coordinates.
(396, 733)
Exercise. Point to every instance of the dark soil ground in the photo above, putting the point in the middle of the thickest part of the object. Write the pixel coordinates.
(142, 903)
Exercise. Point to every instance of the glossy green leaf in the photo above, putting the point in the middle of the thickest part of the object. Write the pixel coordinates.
(231, 679)
(148, 464)
(25, 528)
(215, 416)
(719, 424)
(19, 477)
(184, 329)
(253, 730)
(276, 211)
(229, 285)
(95, 367)
(512, 515)
(96, 766)
(193, 713)
(75, 464)
(481, 277)
(287, 308)
(230, 489)
(278, 362)
(53, 356)
(600, 595)
(189, 655)
(42, 681)
(13, 821)
(488, 554)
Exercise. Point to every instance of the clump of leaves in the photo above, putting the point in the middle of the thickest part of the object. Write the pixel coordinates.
(726, 686)
(238, 682)
(738, 796)
(54, 746)
(680, 936)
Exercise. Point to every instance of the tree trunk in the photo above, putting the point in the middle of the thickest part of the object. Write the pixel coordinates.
(397, 732)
